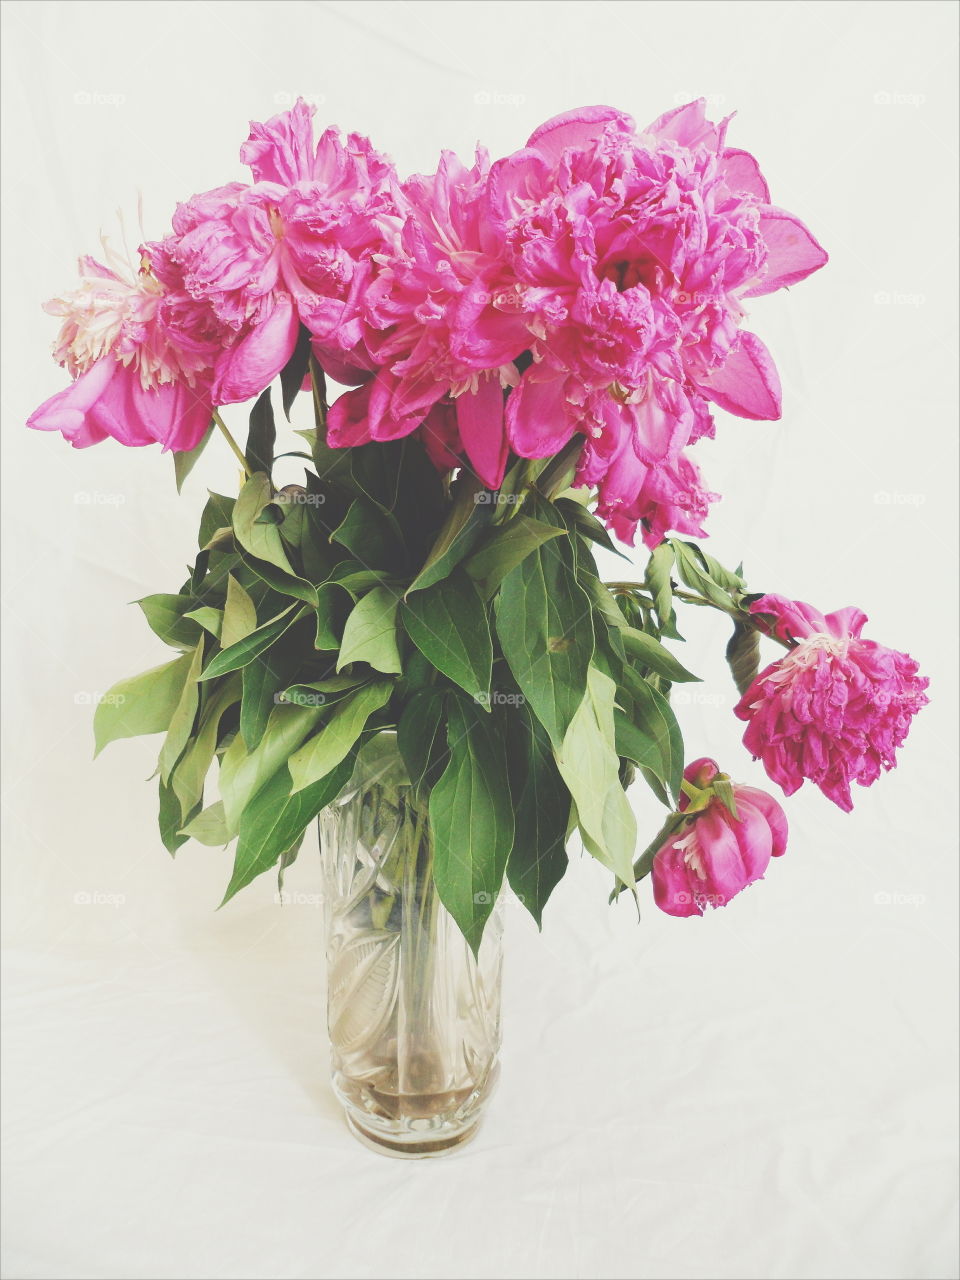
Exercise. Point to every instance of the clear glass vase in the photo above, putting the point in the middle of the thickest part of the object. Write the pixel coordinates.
(414, 1018)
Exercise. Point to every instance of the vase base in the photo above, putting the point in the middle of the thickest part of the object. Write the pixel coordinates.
(418, 1146)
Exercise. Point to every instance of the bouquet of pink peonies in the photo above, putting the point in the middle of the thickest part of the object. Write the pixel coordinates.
(530, 349)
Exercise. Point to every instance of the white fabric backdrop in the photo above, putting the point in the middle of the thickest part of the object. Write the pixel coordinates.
(766, 1092)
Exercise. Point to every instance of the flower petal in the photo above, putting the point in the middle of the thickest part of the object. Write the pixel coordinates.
(741, 172)
(481, 425)
(747, 383)
(539, 419)
(792, 252)
(574, 129)
(252, 364)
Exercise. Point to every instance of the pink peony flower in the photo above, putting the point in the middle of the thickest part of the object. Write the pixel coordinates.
(836, 708)
(713, 856)
(296, 246)
(141, 353)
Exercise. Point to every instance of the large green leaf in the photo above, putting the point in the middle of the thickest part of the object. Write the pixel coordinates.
(243, 772)
(472, 820)
(334, 603)
(273, 820)
(468, 518)
(421, 739)
(323, 752)
(660, 585)
(264, 677)
(541, 804)
(505, 547)
(589, 765)
(239, 614)
(743, 656)
(182, 720)
(245, 650)
(650, 653)
(545, 625)
(185, 460)
(166, 616)
(448, 623)
(262, 435)
(208, 827)
(171, 818)
(653, 717)
(192, 767)
(370, 634)
(261, 539)
(364, 534)
(587, 525)
(142, 704)
(217, 514)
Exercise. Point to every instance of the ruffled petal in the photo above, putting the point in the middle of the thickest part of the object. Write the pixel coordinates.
(747, 383)
(575, 129)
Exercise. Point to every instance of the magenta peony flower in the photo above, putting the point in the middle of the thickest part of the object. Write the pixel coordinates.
(594, 280)
(297, 246)
(836, 708)
(141, 352)
(713, 856)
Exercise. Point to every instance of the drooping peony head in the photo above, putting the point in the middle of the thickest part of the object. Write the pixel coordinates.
(835, 708)
(295, 247)
(714, 855)
(598, 276)
(141, 352)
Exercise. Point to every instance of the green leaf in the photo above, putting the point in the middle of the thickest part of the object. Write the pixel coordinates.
(659, 584)
(274, 819)
(577, 517)
(184, 462)
(239, 614)
(471, 817)
(652, 654)
(692, 569)
(421, 739)
(243, 772)
(262, 435)
(743, 656)
(541, 803)
(252, 645)
(363, 533)
(448, 623)
(653, 717)
(294, 371)
(507, 546)
(170, 819)
(323, 752)
(633, 743)
(217, 514)
(142, 704)
(370, 634)
(209, 619)
(546, 632)
(589, 765)
(320, 693)
(208, 827)
(461, 532)
(166, 615)
(334, 603)
(260, 540)
(192, 767)
(182, 720)
(263, 678)
(285, 583)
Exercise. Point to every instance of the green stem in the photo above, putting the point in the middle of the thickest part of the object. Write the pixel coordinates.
(232, 443)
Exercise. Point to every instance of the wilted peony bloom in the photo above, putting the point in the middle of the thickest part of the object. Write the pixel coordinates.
(714, 855)
(141, 351)
(835, 708)
(594, 280)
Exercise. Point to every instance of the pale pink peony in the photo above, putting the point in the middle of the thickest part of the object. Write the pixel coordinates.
(141, 352)
(835, 708)
(714, 856)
